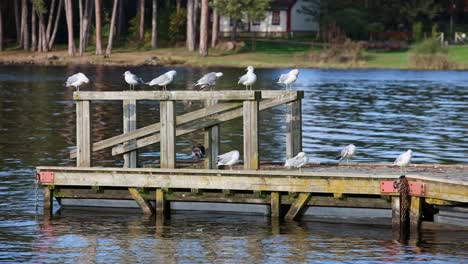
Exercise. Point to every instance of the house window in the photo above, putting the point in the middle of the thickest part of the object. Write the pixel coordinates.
(256, 22)
(275, 18)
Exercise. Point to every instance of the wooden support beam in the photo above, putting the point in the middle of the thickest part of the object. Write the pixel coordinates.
(275, 205)
(48, 202)
(396, 223)
(168, 123)
(250, 115)
(142, 203)
(212, 140)
(200, 123)
(293, 128)
(129, 124)
(161, 203)
(83, 134)
(415, 213)
(167, 95)
(298, 206)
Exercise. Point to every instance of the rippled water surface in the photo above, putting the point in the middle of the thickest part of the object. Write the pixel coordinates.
(383, 112)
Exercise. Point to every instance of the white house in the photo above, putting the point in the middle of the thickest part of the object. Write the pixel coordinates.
(282, 19)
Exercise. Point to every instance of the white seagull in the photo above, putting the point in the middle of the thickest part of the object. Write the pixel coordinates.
(403, 160)
(347, 153)
(208, 80)
(77, 80)
(289, 78)
(163, 80)
(248, 79)
(132, 79)
(228, 159)
(297, 162)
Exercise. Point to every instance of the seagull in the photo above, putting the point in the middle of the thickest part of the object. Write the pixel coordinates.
(77, 80)
(347, 153)
(289, 78)
(248, 79)
(208, 80)
(132, 79)
(198, 152)
(403, 160)
(163, 80)
(297, 162)
(228, 159)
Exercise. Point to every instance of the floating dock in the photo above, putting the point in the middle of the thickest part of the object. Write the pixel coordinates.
(286, 192)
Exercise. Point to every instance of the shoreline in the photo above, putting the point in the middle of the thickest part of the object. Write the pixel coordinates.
(179, 57)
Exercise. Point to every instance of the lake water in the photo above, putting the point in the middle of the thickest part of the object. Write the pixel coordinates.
(382, 112)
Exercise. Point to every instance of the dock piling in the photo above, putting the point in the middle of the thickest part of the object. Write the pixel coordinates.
(250, 115)
(168, 123)
(212, 140)
(83, 134)
(293, 128)
(275, 205)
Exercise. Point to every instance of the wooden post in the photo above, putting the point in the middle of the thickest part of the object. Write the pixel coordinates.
(415, 213)
(396, 214)
(293, 128)
(83, 134)
(275, 205)
(161, 203)
(212, 136)
(250, 112)
(168, 123)
(48, 202)
(298, 206)
(129, 124)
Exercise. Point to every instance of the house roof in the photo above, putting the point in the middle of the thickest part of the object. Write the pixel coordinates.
(281, 4)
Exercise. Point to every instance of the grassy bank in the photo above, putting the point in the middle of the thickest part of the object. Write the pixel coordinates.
(265, 54)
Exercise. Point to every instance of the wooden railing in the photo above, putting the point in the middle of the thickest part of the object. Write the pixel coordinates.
(234, 104)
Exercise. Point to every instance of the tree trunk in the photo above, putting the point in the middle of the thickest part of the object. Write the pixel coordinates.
(112, 28)
(49, 21)
(120, 19)
(1, 30)
(177, 6)
(33, 27)
(195, 19)
(39, 36)
(190, 30)
(233, 31)
(81, 40)
(56, 23)
(98, 27)
(215, 29)
(42, 33)
(204, 29)
(89, 9)
(69, 15)
(17, 20)
(24, 25)
(154, 26)
(141, 12)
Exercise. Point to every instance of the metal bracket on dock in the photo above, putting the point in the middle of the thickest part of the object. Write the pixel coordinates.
(416, 188)
(45, 176)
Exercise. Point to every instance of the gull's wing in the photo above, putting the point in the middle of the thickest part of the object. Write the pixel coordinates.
(224, 158)
(400, 158)
(207, 79)
(295, 162)
(243, 79)
(161, 79)
(72, 79)
(283, 78)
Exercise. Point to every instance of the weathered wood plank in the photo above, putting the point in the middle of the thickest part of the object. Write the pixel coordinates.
(200, 124)
(298, 206)
(250, 115)
(275, 205)
(293, 128)
(212, 141)
(129, 124)
(168, 124)
(161, 202)
(83, 134)
(267, 94)
(415, 213)
(145, 206)
(154, 128)
(167, 95)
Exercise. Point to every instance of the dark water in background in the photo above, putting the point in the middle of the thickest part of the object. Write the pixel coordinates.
(383, 112)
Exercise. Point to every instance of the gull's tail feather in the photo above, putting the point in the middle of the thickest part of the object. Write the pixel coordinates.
(339, 158)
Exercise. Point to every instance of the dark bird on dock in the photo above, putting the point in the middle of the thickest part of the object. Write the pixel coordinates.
(198, 152)
(347, 153)
(208, 80)
(77, 80)
(228, 159)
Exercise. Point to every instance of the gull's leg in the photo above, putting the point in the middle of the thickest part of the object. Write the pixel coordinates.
(300, 169)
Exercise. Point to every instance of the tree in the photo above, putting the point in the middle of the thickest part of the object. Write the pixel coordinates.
(57, 20)
(84, 25)
(33, 27)
(17, 20)
(49, 21)
(1, 29)
(24, 25)
(215, 28)
(204, 29)
(236, 10)
(141, 12)
(98, 27)
(154, 25)
(112, 28)
(190, 30)
(69, 16)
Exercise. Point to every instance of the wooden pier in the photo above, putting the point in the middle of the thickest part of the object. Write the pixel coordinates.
(287, 192)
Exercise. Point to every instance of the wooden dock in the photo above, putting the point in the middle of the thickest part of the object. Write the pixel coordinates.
(287, 192)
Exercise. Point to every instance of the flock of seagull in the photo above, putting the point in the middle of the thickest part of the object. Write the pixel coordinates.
(248, 80)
